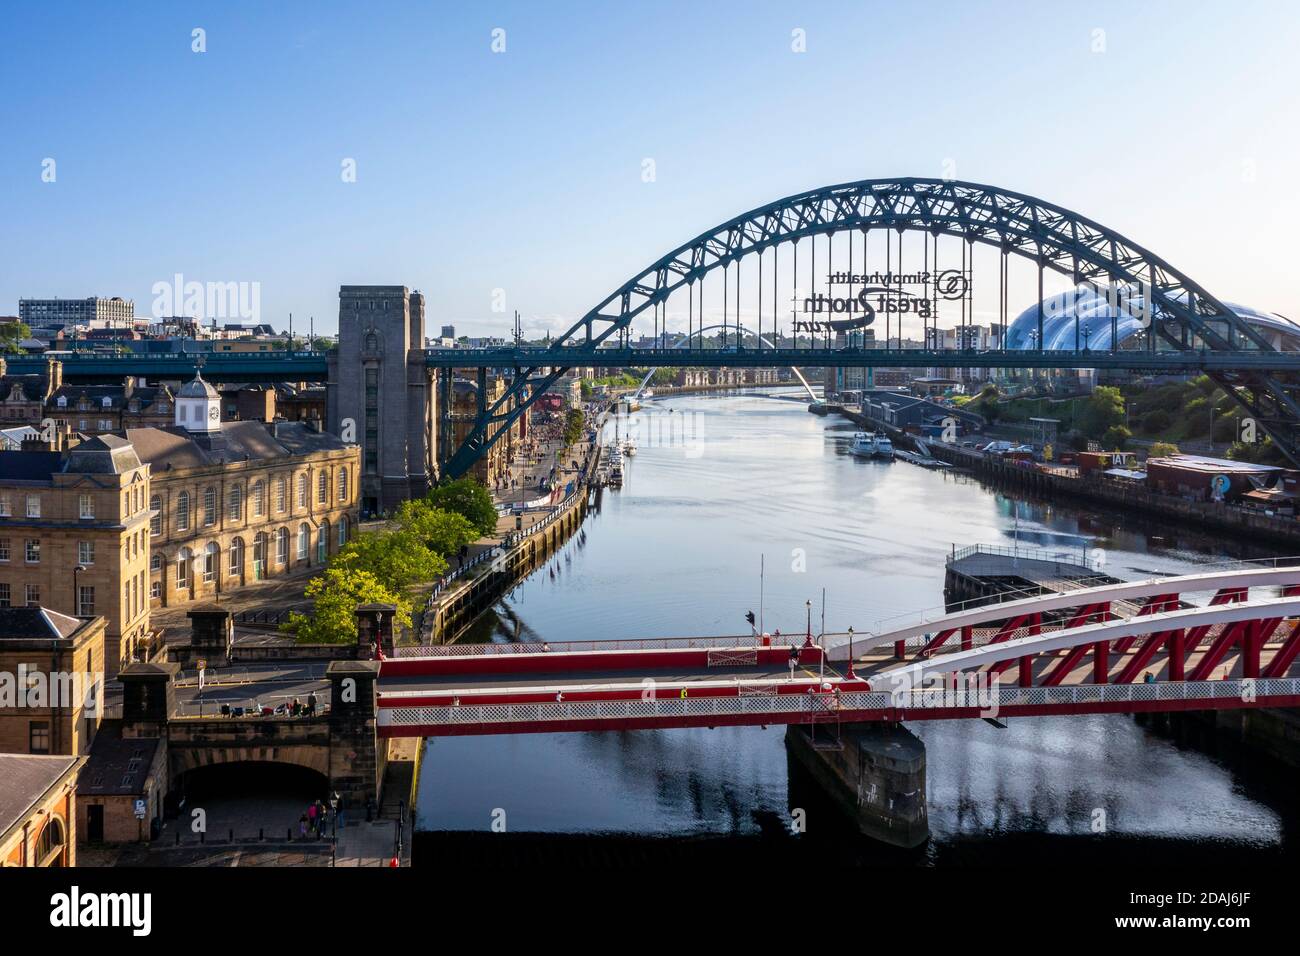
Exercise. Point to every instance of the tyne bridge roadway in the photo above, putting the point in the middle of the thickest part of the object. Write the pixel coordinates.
(267, 367)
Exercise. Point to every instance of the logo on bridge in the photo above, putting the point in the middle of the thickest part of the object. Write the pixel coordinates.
(880, 293)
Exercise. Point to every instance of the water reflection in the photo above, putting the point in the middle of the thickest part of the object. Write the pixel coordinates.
(676, 551)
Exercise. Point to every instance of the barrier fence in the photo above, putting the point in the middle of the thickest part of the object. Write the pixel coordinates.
(862, 704)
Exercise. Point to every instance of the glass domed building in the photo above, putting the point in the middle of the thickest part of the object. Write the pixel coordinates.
(1101, 320)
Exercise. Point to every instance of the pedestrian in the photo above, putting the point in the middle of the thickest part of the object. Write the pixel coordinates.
(311, 704)
(794, 659)
(302, 826)
(311, 818)
(296, 707)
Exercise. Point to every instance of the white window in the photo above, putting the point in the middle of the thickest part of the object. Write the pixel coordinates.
(209, 506)
(322, 542)
(33, 550)
(86, 601)
(33, 506)
(155, 516)
(105, 424)
(343, 484)
(155, 590)
(87, 506)
(183, 511)
(183, 568)
(210, 559)
(259, 499)
(85, 552)
(282, 546)
(280, 492)
(4, 549)
(155, 562)
(304, 541)
(4, 505)
(343, 531)
(302, 491)
(236, 503)
(322, 488)
(236, 556)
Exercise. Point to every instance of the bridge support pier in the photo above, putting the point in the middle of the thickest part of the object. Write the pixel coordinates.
(876, 774)
(356, 760)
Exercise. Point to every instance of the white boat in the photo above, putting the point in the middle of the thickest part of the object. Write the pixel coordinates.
(871, 445)
(615, 479)
(629, 448)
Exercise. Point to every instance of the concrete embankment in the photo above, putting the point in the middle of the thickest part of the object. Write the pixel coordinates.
(1246, 523)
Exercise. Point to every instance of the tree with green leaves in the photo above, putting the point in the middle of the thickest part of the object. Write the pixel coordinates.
(1115, 438)
(1103, 410)
(442, 532)
(398, 558)
(337, 594)
(11, 334)
(573, 423)
(470, 499)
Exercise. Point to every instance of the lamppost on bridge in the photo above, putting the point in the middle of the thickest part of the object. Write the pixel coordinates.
(808, 640)
(849, 674)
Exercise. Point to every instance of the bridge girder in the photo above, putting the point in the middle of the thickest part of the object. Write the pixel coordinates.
(1182, 312)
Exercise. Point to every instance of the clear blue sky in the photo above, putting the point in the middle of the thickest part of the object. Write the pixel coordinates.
(522, 170)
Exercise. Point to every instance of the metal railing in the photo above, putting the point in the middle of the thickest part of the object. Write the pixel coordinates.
(1258, 692)
(542, 647)
(1082, 560)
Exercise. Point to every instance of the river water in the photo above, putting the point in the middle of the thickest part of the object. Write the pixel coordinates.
(723, 483)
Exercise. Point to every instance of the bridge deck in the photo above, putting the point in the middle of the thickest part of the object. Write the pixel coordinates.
(459, 684)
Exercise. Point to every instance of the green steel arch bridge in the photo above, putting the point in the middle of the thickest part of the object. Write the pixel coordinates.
(1188, 330)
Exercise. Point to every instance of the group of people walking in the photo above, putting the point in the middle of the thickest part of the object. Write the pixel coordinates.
(314, 821)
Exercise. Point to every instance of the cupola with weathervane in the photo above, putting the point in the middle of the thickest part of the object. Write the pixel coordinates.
(198, 406)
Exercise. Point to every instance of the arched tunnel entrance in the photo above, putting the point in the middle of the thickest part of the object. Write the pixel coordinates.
(246, 799)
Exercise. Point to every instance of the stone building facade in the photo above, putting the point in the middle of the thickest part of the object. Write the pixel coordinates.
(74, 536)
(23, 397)
(99, 409)
(495, 462)
(56, 714)
(236, 502)
(38, 810)
(381, 395)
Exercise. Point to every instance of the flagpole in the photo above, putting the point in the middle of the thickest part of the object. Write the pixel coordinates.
(762, 561)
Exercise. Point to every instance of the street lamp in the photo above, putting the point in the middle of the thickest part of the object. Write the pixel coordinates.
(334, 809)
(850, 672)
(808, 640)
(76, 590)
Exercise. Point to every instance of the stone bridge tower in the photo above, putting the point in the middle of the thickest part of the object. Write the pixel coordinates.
(380, 395)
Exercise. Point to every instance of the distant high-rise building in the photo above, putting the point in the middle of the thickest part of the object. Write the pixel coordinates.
(93, 312)
(380, 393)
(449, 331)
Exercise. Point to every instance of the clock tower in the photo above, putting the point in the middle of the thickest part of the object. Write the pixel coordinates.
(198, 407)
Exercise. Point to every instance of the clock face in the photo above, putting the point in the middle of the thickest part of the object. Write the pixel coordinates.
(213, 414)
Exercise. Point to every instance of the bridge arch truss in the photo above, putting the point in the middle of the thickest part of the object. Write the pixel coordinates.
(1183, 315)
